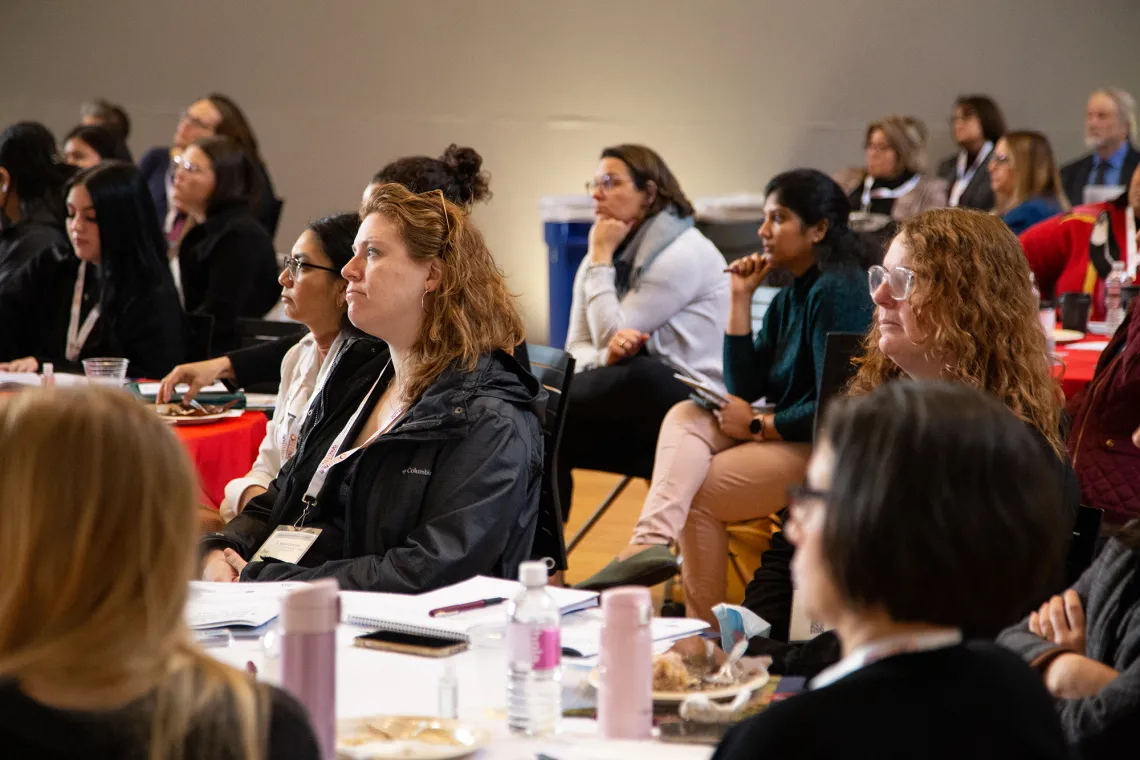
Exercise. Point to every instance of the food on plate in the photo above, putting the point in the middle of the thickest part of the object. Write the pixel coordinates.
(186, 412)
(672, 674)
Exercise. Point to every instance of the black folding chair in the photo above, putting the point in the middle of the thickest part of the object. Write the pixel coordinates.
(275, 219)
(254, 331)
(554, 368)
(838, 369)
(1084, 543)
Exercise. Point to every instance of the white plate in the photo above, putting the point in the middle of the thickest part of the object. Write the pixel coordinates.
(1067, 336)
(203, 420)
(464, 740)
(677, 697)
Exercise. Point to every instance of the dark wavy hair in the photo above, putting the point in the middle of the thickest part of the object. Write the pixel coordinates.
(646, 166)
(988, 113)
(28, 154)
(106, 143)
(133, 252)
(235, 126)
(457, 174)
(236, 179)
(815, 197)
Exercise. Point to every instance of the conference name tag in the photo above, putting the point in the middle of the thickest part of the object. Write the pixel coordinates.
(287, 544)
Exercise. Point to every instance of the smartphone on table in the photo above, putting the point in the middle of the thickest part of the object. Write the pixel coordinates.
(412, 643)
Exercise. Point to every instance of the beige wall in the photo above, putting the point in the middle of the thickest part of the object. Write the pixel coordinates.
(728, 92)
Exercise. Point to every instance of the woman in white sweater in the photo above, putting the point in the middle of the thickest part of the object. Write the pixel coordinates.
(312, 291)
(650, 299)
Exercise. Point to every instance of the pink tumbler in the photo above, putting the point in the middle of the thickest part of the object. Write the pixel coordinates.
(309, 618)
(625, 665)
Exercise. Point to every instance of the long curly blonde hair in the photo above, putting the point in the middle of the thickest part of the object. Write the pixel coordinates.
(973, 301)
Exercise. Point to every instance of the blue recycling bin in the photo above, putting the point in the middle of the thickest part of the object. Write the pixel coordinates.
(567, 221)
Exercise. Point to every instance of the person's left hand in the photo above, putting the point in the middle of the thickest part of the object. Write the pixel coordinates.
(736, 418)
(624, 344)
(1062, 621)
(234, 560)
(1073, 676)
(26, 364)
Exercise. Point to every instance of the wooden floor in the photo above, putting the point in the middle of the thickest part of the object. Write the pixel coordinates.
(608, 537)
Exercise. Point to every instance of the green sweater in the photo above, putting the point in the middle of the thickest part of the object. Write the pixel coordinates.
(785, 362)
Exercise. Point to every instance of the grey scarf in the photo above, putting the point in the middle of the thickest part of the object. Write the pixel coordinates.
(638, 251)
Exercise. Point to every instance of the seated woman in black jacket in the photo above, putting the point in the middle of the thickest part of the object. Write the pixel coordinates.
(924, 520)
(112, 297)
(31, 195)
(422, 463)
(227, 265)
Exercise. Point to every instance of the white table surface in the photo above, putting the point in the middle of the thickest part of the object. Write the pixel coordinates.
(371, 682)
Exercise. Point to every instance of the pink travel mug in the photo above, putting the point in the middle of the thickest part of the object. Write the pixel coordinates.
(625, 664)
(309, 618)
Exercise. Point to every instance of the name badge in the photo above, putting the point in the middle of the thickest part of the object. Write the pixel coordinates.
(287, 544)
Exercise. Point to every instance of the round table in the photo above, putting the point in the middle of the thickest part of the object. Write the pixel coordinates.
(1078, 361)
(222, 451)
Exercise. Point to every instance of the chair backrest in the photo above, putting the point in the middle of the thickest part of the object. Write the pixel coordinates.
(275, 218)
(838, 369)
(254, 331)
(199, 337)
(553, 368)
(1084, 542)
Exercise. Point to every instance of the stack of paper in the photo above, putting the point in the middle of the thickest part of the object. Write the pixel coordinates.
(226, 605)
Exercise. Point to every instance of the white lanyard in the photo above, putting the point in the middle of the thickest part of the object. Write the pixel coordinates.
(333, 458)
(883, 192)
(965, 177)
(76, 335)
(1131, 258)
(884, 648)
(288, 433)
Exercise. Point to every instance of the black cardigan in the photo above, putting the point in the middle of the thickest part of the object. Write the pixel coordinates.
(229, 270)
(35, 309)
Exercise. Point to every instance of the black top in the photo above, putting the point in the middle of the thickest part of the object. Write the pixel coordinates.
(879, 205)
(35, 310)
(972, 701)
(31, 730)
(978, 193)
(1101, 725)
(451, 491)
(229, 270)
(20, 242)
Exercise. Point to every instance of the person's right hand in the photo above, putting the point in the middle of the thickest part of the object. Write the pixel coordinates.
(748, 272)
(215, 568)
(197, 375)
(26, 364)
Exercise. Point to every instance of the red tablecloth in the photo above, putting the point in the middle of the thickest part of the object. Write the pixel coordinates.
(222, 451)
(1078, 364)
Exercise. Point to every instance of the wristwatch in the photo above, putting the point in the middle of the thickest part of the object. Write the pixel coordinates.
(756, 427)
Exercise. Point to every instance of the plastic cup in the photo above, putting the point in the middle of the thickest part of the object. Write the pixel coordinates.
(1075, 311)
(109, 371)
(489, 650)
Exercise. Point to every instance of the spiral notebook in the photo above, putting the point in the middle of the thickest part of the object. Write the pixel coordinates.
(409, 614)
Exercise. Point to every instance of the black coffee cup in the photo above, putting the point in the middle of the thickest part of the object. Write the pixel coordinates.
(1127, 293)
(1075, 311)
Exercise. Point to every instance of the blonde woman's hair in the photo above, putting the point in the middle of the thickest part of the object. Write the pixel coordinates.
(973, 302)
(1035, 170)
(97, 545)
(907, 137)
(471, 312)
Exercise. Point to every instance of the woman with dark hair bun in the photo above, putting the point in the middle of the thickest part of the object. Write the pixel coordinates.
(31, 196)
(227, 264)
(458, 174)
(87, 145)
(734, 463)
(112, 297)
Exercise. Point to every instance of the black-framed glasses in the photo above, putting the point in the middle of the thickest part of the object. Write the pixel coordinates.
(899, 281)
(295, 264)
(605, 183)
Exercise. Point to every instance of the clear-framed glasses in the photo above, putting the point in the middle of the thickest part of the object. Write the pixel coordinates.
(178, 162)
(899, 281)
(1000, 159)
(295, 264)
(605, 183)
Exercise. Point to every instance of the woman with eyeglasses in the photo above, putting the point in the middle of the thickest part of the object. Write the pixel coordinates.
(213, 115)
(1025, 180)
(976, 125)
(716, 466)
(226, 265)
(650, 299)
(953, 302)
(929, 518)
(313, 292)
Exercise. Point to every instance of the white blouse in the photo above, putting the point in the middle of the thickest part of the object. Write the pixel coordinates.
(301, 375)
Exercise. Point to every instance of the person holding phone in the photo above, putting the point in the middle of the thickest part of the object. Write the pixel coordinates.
(735, 464)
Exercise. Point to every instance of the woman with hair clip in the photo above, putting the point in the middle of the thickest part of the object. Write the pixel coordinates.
(96, 660)
(954, 303)
(112, 297)
(924, 523)
(227, 265)
(31, 196)
(1025, 180)
(428, 440)
(457, 174)
(735, 463)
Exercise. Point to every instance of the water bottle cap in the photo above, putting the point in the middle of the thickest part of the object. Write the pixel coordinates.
(623, 601)
(312, 609)
(532, 574)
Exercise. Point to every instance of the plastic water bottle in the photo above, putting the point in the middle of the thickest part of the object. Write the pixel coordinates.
(1113, 313)
(534, 657)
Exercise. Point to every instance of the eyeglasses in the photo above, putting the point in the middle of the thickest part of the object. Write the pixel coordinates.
(295, 264)
(899, 281)
(178, 162)
(1001, 158)
(196, 122)
(606, 182)
(875, 147)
